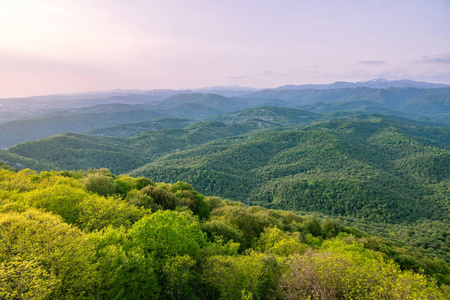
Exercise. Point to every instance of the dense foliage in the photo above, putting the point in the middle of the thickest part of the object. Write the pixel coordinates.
(120, 155)
(74, 234)
(386, 175)
(374, 169)
(130, 129)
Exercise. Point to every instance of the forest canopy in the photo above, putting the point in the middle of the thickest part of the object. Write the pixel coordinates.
(76, 234)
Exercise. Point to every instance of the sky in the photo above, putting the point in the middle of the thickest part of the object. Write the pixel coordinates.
(66, 46)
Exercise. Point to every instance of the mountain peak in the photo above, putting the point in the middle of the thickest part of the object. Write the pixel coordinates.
(379, 80)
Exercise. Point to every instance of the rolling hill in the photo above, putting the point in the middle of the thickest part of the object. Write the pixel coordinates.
(131, 129)
(19, 131)
(79, 151)
(389, 174)
(375, 169)
(38, 118)
(276, 116)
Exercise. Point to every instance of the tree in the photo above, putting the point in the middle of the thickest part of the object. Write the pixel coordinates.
(280, 243)
(340, 271)
(55, 257)
(165, 199)
(100, 183)
(231, 275)
(25, 279)
(126, 271)
(177, 270)
(59, 199)
(98, 212)
(166, 234)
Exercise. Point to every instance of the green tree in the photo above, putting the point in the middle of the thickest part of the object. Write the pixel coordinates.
(56, 257)
(161, 197)
(25, 279)
(59, 199)
(166, 234)
(231, 275)
(280, 243)
(100, 183)
(178, 272)
(98, 212)
(340, 271)
(127, 272)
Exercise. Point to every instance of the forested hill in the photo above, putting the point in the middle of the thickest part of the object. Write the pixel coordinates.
(277, 116)
(383, 169)
(94, 235)
(130, 129)
(34, 119)
(412, 101)
(78, 151)
(19, 131)
(376, 169)
(388, 173)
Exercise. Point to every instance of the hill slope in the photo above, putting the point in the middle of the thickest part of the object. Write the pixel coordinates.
(276, 116)
(120, 155)
(131, 129)
(428, 102)
(369, 166)
(20, 131)
(377, 169)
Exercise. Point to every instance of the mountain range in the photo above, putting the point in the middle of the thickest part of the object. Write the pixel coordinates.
(34, 118)
(379, 83)
(372, 154)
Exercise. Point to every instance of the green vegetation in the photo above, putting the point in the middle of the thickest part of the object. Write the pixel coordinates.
(19, 131)
(4, 166)
(389, 174)
(21, 162)
(385, 175)
(120, 155)
(131, 129)
(75, 234)
(270, 116)
(376, 170)
(419, 104)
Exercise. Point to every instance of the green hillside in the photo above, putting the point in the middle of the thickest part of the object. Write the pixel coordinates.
(420, 104)
(382, 169)
(410, 101)
(78, 151)
(273, 115)
(20, 131)
(199, 106)
(389, 174)
(131, 129)
(376, 170)
(21, 162)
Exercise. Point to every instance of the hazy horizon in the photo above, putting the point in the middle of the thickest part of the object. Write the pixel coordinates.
(60, 46)
(218, 87)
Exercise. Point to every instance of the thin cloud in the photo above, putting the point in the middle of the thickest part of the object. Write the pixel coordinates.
(372, 62)
(435, 59)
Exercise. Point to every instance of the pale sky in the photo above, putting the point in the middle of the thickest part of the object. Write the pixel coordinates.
(64, 46)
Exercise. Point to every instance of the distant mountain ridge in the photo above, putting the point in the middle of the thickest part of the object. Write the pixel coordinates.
(379, 83)
(32, 118)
